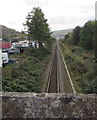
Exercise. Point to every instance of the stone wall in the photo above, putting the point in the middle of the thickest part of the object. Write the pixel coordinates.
(32, 105)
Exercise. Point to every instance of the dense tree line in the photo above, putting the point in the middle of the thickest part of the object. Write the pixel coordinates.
(83, 36)
(87, 36)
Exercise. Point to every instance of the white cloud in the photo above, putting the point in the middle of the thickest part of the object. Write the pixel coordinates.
(61, 14)
(36, 2)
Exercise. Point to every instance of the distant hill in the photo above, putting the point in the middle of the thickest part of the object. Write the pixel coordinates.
(61, 33)
(8, 33)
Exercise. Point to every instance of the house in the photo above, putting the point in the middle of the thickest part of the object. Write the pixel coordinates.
(5, 46)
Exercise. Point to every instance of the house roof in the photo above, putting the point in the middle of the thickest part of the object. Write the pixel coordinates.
(5, 45)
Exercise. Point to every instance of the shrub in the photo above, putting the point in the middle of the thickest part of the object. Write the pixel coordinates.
(25, 76)
(91, 86)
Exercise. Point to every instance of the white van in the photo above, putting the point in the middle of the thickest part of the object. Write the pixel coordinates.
(5, 58)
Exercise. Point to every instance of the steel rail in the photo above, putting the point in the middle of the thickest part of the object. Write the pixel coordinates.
(50, 72)
(49, 76)
(58, 82)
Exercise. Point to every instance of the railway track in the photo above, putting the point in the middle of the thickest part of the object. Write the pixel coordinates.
(58, 79)
(53, 83)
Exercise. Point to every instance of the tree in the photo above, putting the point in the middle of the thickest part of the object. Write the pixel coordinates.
(68, 38)
(87, 35)
(76, 35)
(38, 28)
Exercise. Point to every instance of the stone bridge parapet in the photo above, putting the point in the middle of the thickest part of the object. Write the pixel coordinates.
(44, 105)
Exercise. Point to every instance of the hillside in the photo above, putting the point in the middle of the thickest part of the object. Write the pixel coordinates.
(8, 33)
(60, 33)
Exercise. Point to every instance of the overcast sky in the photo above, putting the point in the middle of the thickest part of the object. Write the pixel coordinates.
(61, 14)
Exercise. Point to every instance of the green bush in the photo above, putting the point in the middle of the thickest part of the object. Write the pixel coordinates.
(82, 70)
(25, 76)
(91, 86)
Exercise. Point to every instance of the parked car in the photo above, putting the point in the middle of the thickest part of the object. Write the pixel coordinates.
(14, 50)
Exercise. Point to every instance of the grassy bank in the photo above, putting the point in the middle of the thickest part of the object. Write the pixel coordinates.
(26, 74)
(81, 68)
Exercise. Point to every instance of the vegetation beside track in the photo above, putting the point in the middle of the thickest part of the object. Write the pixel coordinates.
(26, 74)
(80, 54)
(81, 70)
